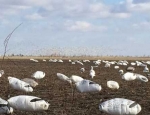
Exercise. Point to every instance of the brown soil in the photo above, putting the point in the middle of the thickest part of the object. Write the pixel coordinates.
(59, 94)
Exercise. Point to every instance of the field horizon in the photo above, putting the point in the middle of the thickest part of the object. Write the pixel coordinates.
(142, 58)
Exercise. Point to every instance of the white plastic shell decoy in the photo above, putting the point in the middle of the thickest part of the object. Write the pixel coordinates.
(146, 69)
(28, 103)
(75, 78)
(38, 75)
(107, 65)
(121, 72)
(82, 69)
(88, 86)
(130, 68)
(116, 67)
(92, 72)
(17, 84)
(141, 78)
(4, 107)
(120, 106)
(1, 73)
(63, 77)
(129, 76)
(31, 82)
(112, 84)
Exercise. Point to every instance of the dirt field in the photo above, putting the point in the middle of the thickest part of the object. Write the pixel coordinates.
(59, 95)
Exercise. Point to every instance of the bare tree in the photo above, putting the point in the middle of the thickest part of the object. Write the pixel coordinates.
(6, 43)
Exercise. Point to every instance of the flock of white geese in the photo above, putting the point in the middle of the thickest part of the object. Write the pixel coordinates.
(115, 106)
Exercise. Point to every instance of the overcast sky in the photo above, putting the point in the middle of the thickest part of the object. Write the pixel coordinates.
(76, 27)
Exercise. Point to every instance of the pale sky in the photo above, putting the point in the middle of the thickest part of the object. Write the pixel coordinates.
(76, 27)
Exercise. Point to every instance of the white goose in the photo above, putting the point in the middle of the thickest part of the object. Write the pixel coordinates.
(87, 86)
(92, 72)
(1, 73)
(112, 84)
(4, 107)
(63, 78)
(31, 82)
(75, 78)
(19, 85)
(82, 70)
(146, 69)
(132, 76)
(38, 75)
(128, 76)
(121, 72)
(120, 106)
(141, 78)
(28, 103)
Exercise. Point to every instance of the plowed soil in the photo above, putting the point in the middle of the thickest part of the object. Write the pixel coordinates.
(59, 94)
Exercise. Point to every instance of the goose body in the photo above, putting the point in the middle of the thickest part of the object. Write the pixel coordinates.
(28, 103)
(120, 106)
(141, 78)
(82, 69)
(112, 84)
(88, 86)
(75, 78)
(31, 82)
(63, 77)
(1, 73)
(4, 107)
(38, 75)
(146, 69)
(92, 72)
(129, 76)
(19, 85)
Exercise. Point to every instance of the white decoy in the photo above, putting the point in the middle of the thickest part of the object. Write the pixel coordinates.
(121, 72)
(64, 78)
(130, 69)
(73, 63)
(125, 64)
(148, 62)
(92, 72)
(116, 67)
(31, 59)
(132, 63)
(34, 60)
(79, 62)
(87, 86)
(75, 78)
(107, 65)
(98, 62)
(120, 106)
(86, 60)
(28, 103)
(112, 84)
(61, 61)
(82, 70)
(30, 81)
(146, 69)
(140, 64)
(53, 60)
(38, 75)
(19, 85)
(1, 73)
(128, 76)
(44, 60)
(141, 78)
(112, 62)
(119, 63)
(4, 107)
